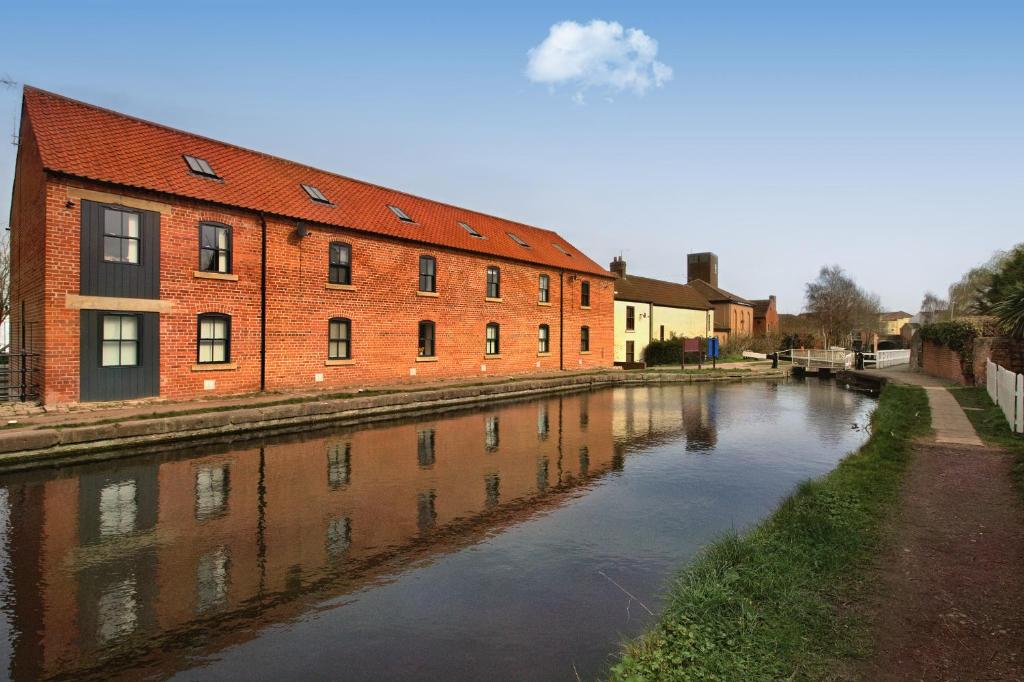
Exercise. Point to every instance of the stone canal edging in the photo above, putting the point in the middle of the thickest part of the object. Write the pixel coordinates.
(36, 447)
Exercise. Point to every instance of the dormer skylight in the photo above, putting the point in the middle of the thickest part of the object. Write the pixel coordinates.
(402, 215)
(200, 166)
(315, 194)
(559, 247)
(470, 230)
(517, 240)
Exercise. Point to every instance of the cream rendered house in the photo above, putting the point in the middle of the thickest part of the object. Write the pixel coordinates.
(647, 309)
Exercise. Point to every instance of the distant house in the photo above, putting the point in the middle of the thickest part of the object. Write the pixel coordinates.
(766, 316)
(652, 309)
(890, 324)
(734, 315)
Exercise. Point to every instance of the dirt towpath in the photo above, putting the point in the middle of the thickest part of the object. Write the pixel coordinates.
(948, 601)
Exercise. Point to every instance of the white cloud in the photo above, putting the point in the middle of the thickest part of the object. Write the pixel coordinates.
(601, 54)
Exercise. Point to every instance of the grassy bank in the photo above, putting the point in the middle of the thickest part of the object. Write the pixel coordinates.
(766, 605)
(991, 425)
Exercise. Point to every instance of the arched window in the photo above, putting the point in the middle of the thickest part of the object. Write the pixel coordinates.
(493, 339)
(585, 339)
(340, 265)
(428, 274)
(543, 339)
(493, 282)
(213, 339)
(426, 339)
(339, 338)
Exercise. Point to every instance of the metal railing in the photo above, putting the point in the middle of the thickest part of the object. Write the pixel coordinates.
(887, 358)
(19, 376)
(1006, 389)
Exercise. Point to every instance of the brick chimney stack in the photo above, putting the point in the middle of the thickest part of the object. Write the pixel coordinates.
(618, 266)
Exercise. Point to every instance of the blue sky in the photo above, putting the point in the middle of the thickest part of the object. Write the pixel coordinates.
(887, 137)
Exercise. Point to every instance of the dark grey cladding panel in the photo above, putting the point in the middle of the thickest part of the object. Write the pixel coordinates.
(102, 278)
(119, 383)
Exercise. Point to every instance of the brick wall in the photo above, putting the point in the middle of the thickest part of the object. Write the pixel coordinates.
(942, 362)
(383, 304)
(1001, 350)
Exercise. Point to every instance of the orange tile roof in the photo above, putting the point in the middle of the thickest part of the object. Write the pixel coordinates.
(87, 141)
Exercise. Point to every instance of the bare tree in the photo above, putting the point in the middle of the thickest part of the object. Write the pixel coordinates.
(840, 306)
(934, 308)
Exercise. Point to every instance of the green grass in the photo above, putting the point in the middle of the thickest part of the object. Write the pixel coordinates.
(991, 425)
(766, 605)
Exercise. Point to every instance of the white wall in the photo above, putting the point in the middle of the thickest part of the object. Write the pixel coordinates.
(678, 322)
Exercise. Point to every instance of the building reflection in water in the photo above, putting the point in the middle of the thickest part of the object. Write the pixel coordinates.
(129, 564)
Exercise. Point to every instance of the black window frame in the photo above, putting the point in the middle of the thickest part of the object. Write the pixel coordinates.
(426, 339)
(215, 249)
(346, 323)
(492, 346)
(585, 339)
(120, 341)
(315, 194)
(630, 318)
(339, 273)
(493, 284)
(400, 214)
(543, 339)
(201, 167)
(121, 238)
(428, 280)
(544, 288)
(212, 342)
(585, 294)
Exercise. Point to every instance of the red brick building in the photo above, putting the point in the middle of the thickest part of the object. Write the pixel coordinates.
(766, 316)
(149, 261)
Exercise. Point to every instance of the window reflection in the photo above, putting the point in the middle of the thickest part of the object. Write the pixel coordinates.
(211, 491)
(543, 424)
(339, 464)
(118, 508)
(425, 447)
(491, 436)
(212, 580)
(584, 460)
(339, 536)
(426, 512)
(542, 474)
(117, 611)
(491, 491)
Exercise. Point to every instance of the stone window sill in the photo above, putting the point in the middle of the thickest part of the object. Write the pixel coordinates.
(339, 287)
(493, 357)
(425, 358)
(543, 355)
(493, 300)
(339, 363)
(428, 294)
(225, 276)
(214, 366)
(546, 304)
(584, 307)
(584, 352)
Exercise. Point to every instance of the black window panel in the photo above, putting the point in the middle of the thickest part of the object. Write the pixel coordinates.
(585, 294)
(493, 282)
(340, 264)
(339, 339)
(122, 381)
(493, 339)
(426, 339)
(120, 251)
(213, 339)
(428, 274)
(214, 248)
(545, 289)
(543, 339)
(584, 338)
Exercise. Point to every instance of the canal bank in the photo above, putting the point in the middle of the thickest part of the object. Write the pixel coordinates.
(771, 604)
(66, 438)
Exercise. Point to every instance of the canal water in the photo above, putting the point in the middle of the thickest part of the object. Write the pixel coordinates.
(523, 541)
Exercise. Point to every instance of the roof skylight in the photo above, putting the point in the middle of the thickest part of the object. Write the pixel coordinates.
(315, 194)
(517, 240)
(470, 230)
(559, 247)
(199, 166)
(402, 215)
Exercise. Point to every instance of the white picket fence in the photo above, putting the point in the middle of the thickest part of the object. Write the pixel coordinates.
(1007, 391)
(887, 358)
